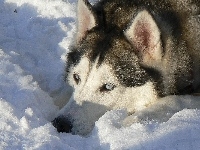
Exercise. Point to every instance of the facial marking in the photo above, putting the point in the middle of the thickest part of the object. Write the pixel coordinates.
(99, 84)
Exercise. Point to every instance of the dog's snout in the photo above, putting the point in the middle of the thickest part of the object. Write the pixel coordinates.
(62, 124)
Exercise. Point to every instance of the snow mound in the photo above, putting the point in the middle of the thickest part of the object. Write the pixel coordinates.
(180, 132)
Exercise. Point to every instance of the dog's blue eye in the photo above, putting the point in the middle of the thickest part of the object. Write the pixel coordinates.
(77, 78)
(107, 87)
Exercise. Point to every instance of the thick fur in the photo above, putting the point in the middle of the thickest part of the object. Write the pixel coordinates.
(129, 54)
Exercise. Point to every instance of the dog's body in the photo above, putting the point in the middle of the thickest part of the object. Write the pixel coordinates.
(128, 54)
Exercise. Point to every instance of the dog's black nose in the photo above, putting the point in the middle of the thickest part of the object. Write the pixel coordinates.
(62, 124)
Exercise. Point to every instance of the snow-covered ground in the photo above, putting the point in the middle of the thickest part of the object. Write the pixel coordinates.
(34, 39)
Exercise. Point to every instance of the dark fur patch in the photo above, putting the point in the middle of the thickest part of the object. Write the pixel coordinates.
(73, 58)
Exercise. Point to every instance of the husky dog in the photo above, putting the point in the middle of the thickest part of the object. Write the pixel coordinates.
(129, 54)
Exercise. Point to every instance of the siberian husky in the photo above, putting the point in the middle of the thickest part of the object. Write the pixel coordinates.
(130, 54)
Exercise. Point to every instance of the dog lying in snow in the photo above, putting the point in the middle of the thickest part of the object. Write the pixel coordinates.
(129, 54)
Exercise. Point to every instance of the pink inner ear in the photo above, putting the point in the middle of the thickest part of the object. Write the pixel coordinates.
(86, 18)
(143, 36)
(84, 22)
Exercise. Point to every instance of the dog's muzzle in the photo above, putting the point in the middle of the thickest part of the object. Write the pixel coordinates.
(62, 124)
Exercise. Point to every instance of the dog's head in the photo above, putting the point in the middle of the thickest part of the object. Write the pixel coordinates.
(114, 64)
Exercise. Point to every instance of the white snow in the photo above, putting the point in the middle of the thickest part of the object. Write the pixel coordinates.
(34, 39)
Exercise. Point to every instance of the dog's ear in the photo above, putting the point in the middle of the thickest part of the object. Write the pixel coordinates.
(86, 18)
(144, 34)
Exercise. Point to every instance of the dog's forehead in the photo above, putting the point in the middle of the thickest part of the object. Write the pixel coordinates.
(107, 45)
(90, 69)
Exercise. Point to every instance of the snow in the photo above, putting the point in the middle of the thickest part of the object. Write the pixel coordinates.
(34, 39)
